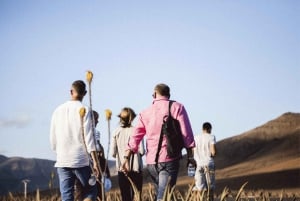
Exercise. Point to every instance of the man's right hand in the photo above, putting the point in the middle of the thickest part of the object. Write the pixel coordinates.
(190, 157)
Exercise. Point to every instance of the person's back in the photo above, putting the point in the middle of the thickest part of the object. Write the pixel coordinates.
(120, 140)
(66, 119)
(163, 171)
(202, 151)
(151, 120)
(71, 137)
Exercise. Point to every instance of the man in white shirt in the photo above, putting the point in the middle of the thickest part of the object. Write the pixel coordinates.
(73, 147)
(204, 153)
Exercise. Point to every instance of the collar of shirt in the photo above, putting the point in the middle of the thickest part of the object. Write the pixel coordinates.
(159, 99)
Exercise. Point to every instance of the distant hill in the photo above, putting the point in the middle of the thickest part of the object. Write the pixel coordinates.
(16, 169)
(267, 157)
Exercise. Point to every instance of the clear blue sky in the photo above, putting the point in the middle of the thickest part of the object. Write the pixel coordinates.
(233, 63)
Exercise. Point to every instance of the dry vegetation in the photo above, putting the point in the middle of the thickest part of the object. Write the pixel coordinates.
(179, 193)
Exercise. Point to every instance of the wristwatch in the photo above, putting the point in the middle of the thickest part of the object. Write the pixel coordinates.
(126, 157)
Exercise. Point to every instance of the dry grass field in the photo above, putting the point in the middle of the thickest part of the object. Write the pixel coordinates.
(180, 193)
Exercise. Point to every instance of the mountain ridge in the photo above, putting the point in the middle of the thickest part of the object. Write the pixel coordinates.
(267, 156)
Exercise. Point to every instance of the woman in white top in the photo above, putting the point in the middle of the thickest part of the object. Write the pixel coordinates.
(204, 153)
(120, 140)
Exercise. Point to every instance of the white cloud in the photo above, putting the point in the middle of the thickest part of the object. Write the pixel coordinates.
(17, 122)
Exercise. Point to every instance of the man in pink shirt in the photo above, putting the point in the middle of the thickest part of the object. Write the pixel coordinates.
(149, 125)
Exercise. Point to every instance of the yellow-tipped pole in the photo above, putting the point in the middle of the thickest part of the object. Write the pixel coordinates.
(82, 112)
(108, 114)
(89, 76)
(89, 79)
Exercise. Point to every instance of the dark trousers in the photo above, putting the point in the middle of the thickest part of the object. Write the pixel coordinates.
(126, 188)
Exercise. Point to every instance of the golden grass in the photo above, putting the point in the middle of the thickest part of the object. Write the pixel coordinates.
(182, 193)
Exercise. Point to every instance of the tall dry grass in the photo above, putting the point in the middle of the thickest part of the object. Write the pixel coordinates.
(183, 193)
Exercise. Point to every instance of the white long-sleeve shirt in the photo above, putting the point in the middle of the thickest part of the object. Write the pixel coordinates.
(66, 137)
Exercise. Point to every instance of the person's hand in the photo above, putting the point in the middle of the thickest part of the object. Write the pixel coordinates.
(96, 164)
(190, 157)
(96, 170)
(125, 167)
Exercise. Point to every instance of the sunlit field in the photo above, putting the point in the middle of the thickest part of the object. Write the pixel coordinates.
(179, 193)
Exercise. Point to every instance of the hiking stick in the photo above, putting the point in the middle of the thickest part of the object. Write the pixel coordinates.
(89, 78)
(108, 114)
(207, 176)
(82, 113)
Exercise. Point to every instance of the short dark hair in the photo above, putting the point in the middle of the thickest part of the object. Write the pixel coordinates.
(80, 88)
(163, 89)
(95, 114)
(207, 126)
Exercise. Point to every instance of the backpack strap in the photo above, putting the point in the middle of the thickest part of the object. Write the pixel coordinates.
(170, 104)
(161, 135)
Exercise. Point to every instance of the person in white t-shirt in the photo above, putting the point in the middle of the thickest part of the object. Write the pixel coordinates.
(204, 153)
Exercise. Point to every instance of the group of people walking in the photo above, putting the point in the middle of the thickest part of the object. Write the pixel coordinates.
(72, 138)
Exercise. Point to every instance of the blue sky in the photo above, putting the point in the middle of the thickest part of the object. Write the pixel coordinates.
(233, 63)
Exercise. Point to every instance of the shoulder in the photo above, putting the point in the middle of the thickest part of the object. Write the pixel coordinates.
(117, 131)
(72, 104)
(176, 103)
(197, 137)
(177, 106)
(61, 107)
(147, 111)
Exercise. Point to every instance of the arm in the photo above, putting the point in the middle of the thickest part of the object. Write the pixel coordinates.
(142, 148)
(125, 165)
(96, 164)
(187, 133)
(190, 156)
(113, 147)
(90, 143)
(133, 144)
(52, 134)
(185, 126)
(89, 133)
(137, 136)
(213, 150)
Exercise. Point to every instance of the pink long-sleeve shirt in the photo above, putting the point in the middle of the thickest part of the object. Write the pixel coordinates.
(149, 126)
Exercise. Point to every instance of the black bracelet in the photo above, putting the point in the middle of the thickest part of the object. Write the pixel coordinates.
(126, 157)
